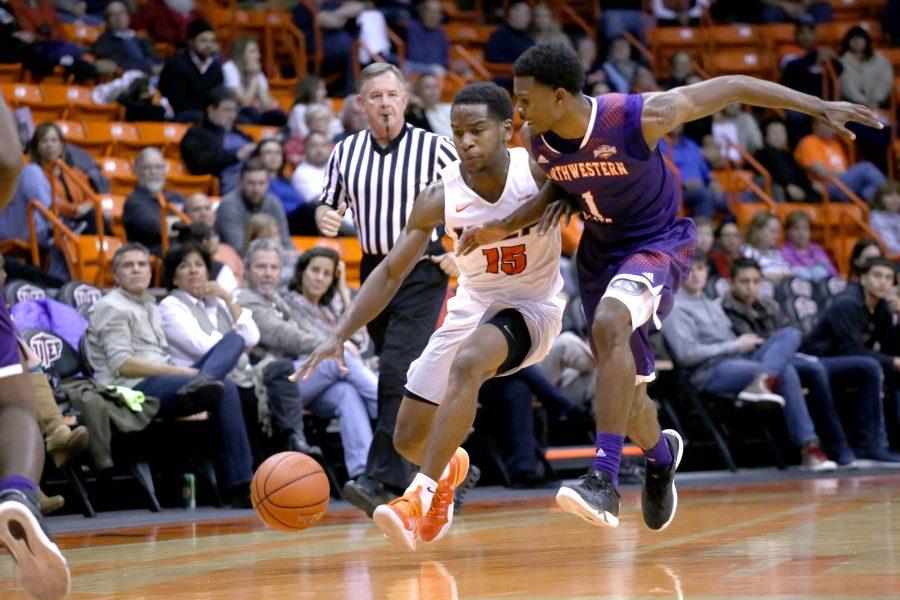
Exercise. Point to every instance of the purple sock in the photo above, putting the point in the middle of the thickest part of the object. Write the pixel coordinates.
(609, 454)
(23, 484)
(660, 455)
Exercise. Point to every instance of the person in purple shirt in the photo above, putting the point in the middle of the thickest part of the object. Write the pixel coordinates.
(685, 154)
(806, 258)
(635, 251)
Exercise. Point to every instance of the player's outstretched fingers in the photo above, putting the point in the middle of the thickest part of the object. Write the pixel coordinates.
(864, 115)
(306, 370)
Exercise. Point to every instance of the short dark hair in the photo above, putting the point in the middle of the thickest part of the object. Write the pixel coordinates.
(494, 97)
(858, 31)
(303, 262)
(742, 263)
(553, 64)
(127, 247)
(194, 232)
(877, 261)
(218, 95)
(700, 257)
(252, 165)
(176, 255)
(198, 27)
(795, 217)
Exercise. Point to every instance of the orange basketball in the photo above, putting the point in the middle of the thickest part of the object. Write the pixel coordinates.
(290, 491)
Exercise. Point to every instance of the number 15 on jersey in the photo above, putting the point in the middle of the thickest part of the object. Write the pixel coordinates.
(509, 259)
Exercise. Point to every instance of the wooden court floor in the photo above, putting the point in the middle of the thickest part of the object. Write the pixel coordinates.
(822, 538)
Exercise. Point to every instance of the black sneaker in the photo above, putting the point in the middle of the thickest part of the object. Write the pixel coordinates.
(459, 496)
(594, 499)
(659, 498)
(42, 569)
(366, 494)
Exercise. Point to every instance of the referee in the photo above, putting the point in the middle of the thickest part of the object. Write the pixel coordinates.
(378, 173)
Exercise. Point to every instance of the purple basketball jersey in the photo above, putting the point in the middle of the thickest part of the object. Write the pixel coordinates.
(625, 190)
(10, 363)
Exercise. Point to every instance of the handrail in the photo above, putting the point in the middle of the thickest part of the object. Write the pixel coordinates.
(850, 194)
(94, 199)
(398, 42)
(318, 54)
(749, 158)
(165, 208)
(60, 229)
(643, 50)
(575, 18)
(470, 60)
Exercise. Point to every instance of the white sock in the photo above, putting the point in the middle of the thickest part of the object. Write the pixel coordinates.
(424, 487)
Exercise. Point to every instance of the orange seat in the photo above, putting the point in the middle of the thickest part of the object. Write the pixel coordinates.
(30, 95)
(778, 34)
(120, 174)
(97, 139)
(729, 36)
(180, 180)
(743, 211)
(73, 131)
(747, 61)
(165, 136)
(856, 10)
(82, 105)
(832, 34)
(113, 134)
(113, 206)
(258, 132)
(88, 254)
(666, 41)
(10, 73)
(82, 34)
(468, 34)
(893, 55)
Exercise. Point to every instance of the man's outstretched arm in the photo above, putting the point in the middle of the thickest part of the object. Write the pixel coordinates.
(380, 287)
(664, 111)
(11, 161)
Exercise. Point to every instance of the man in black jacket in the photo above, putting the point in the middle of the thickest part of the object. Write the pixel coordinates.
(122, 46)
(192, 73)
(749, 313)
(215, 147)
(141, 215)
(789, 180)
(860, 323)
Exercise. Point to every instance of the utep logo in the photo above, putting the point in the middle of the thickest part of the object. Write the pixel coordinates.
(29, 292)
(48, 348)
(605, 151)
(86, 295)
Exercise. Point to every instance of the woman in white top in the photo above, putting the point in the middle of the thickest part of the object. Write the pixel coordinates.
(199, 312)
(244, 74)
(763, 235)
(310, 91)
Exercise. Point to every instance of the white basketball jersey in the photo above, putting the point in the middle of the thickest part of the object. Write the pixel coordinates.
(524, 266)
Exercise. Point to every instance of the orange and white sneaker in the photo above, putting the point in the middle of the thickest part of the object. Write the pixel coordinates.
(436, 522)
(399, 520)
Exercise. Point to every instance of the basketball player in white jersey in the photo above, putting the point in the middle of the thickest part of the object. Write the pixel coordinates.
(505, 315)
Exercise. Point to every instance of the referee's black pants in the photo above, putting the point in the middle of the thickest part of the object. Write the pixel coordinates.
(400, 334)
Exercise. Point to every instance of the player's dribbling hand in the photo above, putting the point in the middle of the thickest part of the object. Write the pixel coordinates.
(473, 237)
(553, 213)
(330, 349)
(330, 221)
(837, 114)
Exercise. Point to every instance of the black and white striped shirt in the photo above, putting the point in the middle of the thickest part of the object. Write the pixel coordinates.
(380, 184)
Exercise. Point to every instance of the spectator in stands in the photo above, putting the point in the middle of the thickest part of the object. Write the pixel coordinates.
(699, 189)
(339, 22)
(187, 78)
(807, 12)
(824, 157)
(727, 247)
(863, 250)
(271, 153)
(681, 66)
(76, 11)
(71, 193)
(200, 210)
(264, 226)
(706, 237)
(868, 76)
(644, 82)
(885, 219)
(353, 118)
(215, 147)
(624, 15)
(127, 346)
(166, 21)
(738, 127)
(683, 13)
(309, 179)
(586, 48)
(41, 29)
(141, 215)
(789, 180)
(860, 322)
(293, 331)
(807, 259)
(750, 313)
(427, 44)
(511, 39)
(806, 74)
(251, 197)
(763, 236)
(311, 91)
(699, 334)
(244, 75)
(425, 109)
(121, 47)
(619, 67)
(546, 28)
(207, 239)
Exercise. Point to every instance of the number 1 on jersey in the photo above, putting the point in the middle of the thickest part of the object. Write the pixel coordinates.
(513, 260)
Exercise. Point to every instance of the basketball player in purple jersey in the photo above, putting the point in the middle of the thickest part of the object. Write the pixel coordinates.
(635, 251)
(42, 569)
